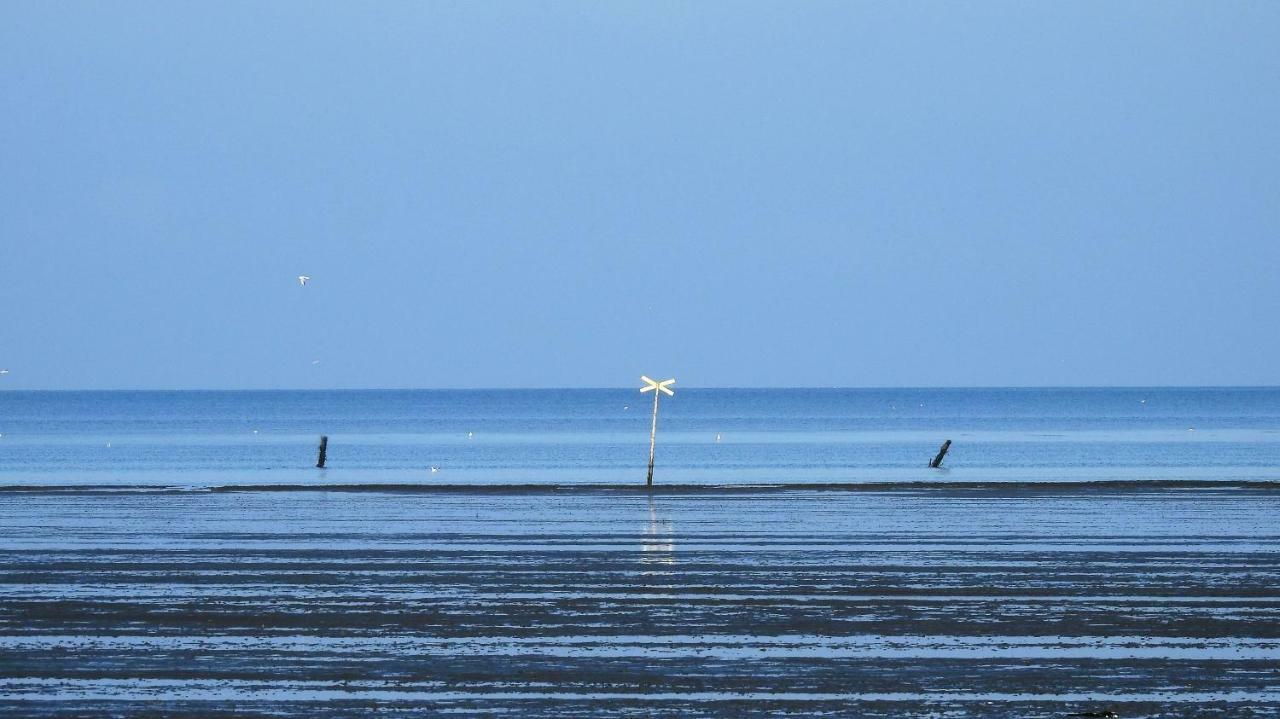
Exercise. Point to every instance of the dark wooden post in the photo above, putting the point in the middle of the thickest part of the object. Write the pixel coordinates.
(324, 445)
(937, 461)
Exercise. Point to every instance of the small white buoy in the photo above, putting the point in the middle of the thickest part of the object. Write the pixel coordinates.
(717, 436)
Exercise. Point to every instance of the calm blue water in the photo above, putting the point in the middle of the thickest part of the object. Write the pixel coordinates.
(601, 436)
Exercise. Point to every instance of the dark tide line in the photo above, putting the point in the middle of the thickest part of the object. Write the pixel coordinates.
(994, 486)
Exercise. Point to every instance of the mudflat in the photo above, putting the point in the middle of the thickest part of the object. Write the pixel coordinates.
(999, 600)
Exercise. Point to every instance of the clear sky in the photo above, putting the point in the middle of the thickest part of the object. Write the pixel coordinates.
(507, 194)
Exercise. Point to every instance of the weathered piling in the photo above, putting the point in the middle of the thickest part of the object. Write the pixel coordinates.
(937, 461)
(324, 446)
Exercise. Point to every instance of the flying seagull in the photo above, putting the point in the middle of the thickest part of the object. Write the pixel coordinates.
(4, 371)
(302, 279)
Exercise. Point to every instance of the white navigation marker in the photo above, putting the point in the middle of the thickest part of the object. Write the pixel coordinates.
(658, 388)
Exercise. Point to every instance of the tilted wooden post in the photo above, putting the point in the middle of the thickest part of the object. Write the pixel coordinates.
(324, 445)
(937, 461)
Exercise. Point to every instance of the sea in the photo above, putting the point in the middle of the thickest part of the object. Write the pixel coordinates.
(601, 436)
(1079, 552)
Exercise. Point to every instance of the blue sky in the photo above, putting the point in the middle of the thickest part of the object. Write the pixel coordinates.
(570, 194)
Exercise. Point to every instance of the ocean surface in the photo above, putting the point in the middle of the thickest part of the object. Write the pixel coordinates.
(1082, 551)
(705, 436)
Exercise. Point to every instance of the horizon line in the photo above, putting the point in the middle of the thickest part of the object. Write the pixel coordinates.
(616, 388)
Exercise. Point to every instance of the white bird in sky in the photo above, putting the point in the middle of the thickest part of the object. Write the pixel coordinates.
(302, 279)
(4, 371)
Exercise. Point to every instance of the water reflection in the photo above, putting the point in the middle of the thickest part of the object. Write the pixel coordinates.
(659, 546)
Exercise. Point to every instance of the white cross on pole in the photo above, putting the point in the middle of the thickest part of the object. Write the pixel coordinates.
(658, 388)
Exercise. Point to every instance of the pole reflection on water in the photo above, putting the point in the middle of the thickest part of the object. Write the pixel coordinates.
(659, 546)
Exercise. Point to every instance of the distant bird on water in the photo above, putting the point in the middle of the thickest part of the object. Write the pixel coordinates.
(4, 371)
(303, 279)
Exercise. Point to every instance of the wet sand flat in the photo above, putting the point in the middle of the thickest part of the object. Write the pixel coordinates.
(982, 601)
